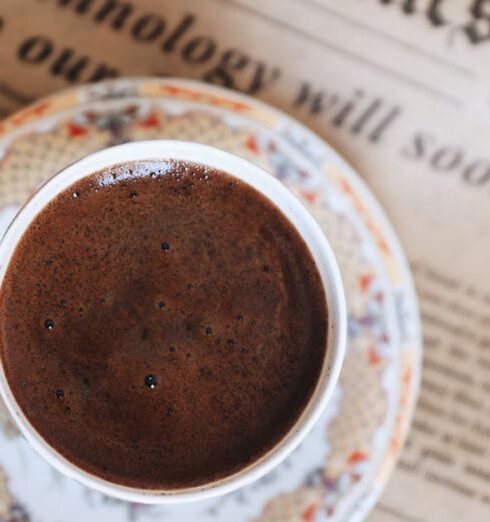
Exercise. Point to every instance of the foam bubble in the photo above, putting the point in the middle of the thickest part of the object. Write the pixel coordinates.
(138, 170)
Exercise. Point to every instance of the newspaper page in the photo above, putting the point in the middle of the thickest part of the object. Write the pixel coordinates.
(400, 88)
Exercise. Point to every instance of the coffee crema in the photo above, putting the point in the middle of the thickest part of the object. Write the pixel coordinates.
(163, 325)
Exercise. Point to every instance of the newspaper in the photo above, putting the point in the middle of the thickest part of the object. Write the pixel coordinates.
(400, 88)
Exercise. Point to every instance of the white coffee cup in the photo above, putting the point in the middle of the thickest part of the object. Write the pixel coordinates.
(302, 221)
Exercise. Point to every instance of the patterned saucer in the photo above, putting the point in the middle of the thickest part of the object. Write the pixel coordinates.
(341, 468)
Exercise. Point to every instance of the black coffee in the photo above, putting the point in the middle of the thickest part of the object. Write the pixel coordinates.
(163, 324)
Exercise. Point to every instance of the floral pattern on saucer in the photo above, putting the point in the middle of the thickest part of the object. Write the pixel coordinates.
(340, 469)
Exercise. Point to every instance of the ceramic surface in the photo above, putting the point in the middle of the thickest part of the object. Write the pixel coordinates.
(340, 469)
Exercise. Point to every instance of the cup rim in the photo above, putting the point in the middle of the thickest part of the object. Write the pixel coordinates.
(303, 222)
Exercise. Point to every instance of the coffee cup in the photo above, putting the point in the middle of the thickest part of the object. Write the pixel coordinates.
(304, 224)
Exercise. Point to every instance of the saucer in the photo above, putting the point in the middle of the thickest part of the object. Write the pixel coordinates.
(340, 469)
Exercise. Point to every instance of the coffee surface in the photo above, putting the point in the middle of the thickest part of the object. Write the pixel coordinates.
(162, 324)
